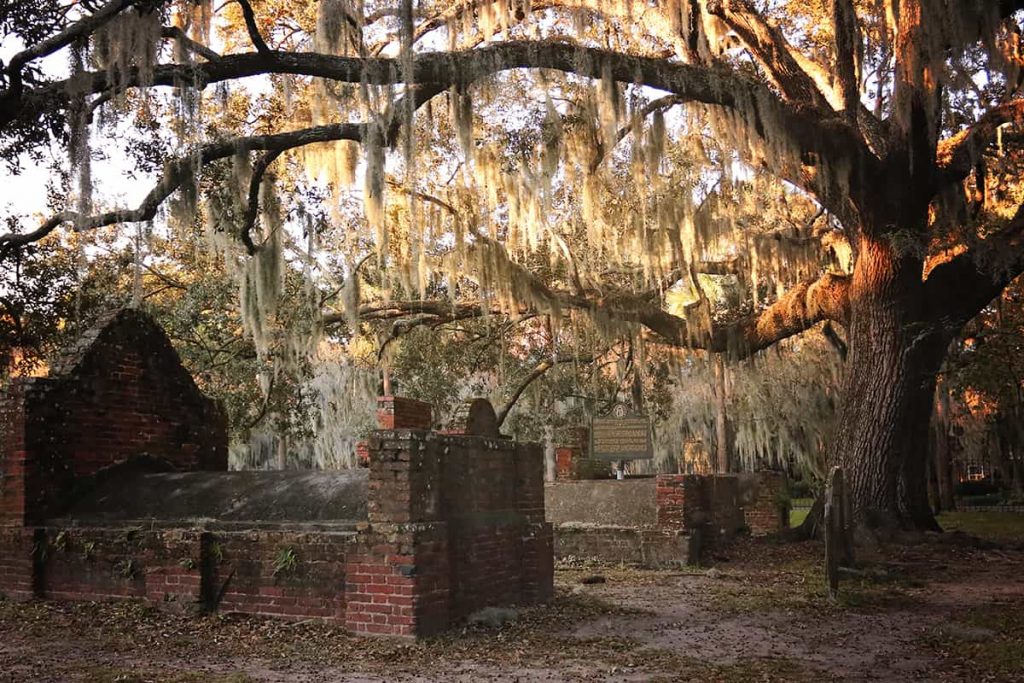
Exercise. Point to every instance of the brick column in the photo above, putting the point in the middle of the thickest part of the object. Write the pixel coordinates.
(768, 514)
(681, 501)
(537, 553)
(397, 575)
(34, 477)
(396, 412)
(13, 456)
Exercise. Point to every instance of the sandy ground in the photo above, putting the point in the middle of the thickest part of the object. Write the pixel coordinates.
(934, 611)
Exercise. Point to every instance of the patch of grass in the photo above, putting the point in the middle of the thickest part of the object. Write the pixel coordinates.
(286, 562)
(996, 526)
(797, 516)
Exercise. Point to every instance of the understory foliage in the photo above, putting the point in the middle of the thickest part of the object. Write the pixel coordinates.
(558, 205)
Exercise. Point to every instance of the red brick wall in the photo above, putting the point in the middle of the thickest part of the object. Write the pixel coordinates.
(17, 566)
(681, 501)
(122, 393)
(250, 572)
(690, 501)
(396, 412)
(12, 457)
(161, 566)
(768, 514)
(573, 462)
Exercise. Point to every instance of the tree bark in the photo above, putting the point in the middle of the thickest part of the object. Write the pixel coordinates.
(940, 428)
(881, 438)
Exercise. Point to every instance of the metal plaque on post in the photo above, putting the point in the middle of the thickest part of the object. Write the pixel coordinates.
(623, 435)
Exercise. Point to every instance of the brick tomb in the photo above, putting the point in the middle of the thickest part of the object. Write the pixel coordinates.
(662, 520)
(112, 485)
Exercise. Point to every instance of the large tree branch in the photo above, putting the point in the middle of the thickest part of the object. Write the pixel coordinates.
(960, 288)
(178, 171)
(797, 127)
(251, 28)
(772, 51)
(538, 371)
(849, 53)
(175, 33)
(959, 154)
(801, 308)
(62, 39)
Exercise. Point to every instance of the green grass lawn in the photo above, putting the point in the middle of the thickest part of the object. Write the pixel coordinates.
(997, 526)
(1001, 526)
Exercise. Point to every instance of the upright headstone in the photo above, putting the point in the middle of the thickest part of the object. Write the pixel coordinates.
(475, 417)
(835, 530)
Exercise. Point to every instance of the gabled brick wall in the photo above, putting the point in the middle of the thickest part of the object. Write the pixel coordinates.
(121, 392)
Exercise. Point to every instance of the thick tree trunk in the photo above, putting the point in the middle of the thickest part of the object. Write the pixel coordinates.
(940, 425)
(881, 438)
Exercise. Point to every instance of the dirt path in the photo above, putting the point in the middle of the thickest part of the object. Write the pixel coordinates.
(935, 612)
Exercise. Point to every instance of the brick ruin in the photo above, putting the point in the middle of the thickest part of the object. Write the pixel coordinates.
(113, 484)
(662, 520)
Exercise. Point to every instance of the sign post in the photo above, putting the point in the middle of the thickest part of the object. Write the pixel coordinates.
(622, 436)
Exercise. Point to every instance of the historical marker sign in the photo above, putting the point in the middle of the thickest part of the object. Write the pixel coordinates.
(621, 436)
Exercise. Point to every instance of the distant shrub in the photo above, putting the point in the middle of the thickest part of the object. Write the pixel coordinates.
(976, 488)
(800, 489)
(986, 499)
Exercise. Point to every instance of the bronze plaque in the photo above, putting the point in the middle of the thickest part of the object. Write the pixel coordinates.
(622, 436)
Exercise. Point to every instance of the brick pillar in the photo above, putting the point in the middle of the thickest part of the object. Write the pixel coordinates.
(768, 514)
(681, 501)
(565, 464)
(34, 476)
(537, 552)
(13, 457)
(397, 574)
(670, 500)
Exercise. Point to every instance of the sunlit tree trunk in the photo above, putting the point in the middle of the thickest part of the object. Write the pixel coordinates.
(881, 439)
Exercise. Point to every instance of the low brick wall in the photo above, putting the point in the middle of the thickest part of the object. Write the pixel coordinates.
(663, 520)
(655, 548)
(96, 563)
(631, 502)
(283, 573)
